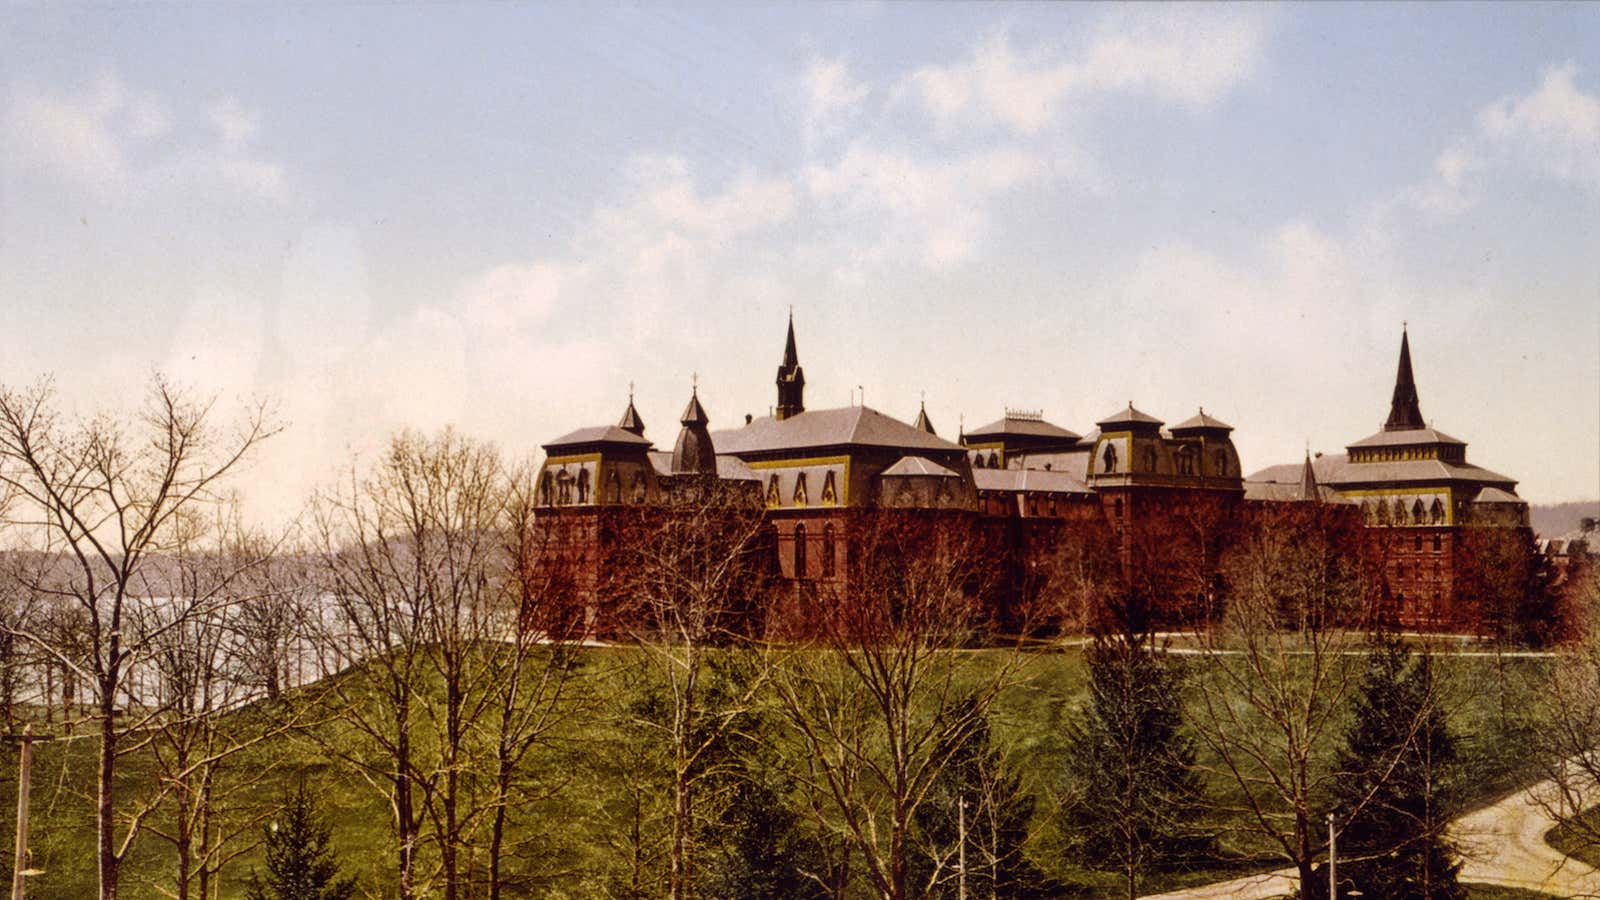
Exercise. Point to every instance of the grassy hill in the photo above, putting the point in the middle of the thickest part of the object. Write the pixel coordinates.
(594, 786)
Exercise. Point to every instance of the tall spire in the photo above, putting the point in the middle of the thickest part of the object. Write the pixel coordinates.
(1405, 414)
(791, 378)
(923, 423)
(1308, 480)
(630, 417)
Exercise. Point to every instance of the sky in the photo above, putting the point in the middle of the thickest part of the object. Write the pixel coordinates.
(498, 216)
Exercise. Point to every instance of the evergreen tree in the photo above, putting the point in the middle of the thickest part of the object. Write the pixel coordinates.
(300, 863)
(765, 851)
(1396, 797)
(1133, 792)
(997, 818)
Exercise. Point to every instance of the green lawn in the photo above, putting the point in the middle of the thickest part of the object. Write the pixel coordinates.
(572, 827)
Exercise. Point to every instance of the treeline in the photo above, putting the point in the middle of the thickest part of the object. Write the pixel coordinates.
(414, 636)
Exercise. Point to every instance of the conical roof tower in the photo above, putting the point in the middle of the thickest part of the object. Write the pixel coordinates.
(791, 378)
(694, 453)
(923, 423)
(631, 421)
(1405, 413)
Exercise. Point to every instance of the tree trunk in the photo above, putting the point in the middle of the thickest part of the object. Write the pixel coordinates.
(405, 827)
(105, 819)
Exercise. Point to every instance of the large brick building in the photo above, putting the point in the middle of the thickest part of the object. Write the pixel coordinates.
(1155, 498)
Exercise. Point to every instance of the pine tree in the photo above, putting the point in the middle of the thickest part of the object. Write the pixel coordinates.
(300, 863)
(1400, 762)
(997, 818)
(1132, 787)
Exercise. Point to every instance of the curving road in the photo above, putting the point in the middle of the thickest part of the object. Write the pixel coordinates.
(1502, 844)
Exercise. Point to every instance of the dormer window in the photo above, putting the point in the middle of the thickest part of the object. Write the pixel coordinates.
(800, 489)
(774, 499)
(830, 496)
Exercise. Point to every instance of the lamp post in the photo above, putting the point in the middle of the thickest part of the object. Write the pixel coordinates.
(1333, 865)
(20, 868)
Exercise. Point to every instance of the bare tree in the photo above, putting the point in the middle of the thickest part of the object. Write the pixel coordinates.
(695, 575)
(1570, 736)
(1276, 673)
(215, 709)
(881, 687)
(99, 500)
(417, 571)
(529, 663)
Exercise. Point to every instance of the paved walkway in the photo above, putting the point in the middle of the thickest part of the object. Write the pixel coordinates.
(1502, 844)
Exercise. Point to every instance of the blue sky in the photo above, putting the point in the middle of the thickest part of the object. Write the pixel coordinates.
(497, 216)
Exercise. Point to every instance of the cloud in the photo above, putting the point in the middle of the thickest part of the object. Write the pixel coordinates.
(1191, 58)
(832, 97)
(117, 143)
(1556, 127)
(887, 205)
(1553, 130)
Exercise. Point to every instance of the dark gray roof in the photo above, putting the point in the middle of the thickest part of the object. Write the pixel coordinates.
(1022, 480)
(1277, 492)
(1407, 438)
(1337, 469)
(598, 434)
(857, 426)
(1127, 416)
(731, 468)
(1496, 495)
(916, 465)
(1030, 426)
(1201, 420)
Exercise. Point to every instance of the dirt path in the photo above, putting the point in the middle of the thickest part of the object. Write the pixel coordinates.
(1502, 844)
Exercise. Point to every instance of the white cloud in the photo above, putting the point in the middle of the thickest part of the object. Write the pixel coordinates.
(1192, 58)
(832, 97)
(1553, 130)
(1556, 127)
(91, 137)
(888, 205)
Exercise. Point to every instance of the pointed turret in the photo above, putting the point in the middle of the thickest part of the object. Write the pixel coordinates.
(630, 417)
(791, 379)
(1405, 414)
(694, 453)
(923, 423)
(1308, 481)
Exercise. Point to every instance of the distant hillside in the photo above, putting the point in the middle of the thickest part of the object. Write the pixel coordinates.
(1556, 519)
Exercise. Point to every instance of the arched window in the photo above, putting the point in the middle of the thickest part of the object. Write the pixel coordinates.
(1109, 459)
(1438, 514)
(544, 489)
(1417, 542)
(583, 485)
(800, 550)
(614, 488)
(830, 496)
(1398, 513)
(977, 461)
(1222, 461)
(994, 460)
(563, 488)
(827, 550)
(1417, 513)
(800, 489)
(1149, 459)
(1186, 461)
(638, 488)
(1437, 543)
(773, 497)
